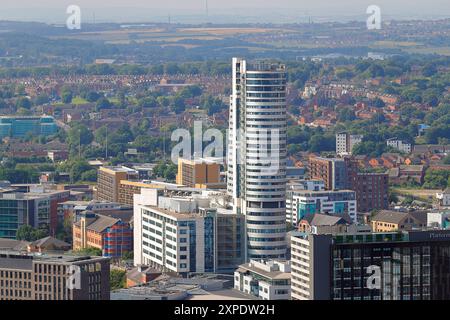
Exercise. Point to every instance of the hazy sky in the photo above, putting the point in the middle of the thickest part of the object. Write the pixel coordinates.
(147, 10)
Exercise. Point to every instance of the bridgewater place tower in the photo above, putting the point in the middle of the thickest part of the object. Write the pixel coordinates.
(256, 159)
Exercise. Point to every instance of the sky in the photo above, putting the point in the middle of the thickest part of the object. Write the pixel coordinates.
(54, 11)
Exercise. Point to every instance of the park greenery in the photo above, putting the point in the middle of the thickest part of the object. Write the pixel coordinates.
(28, 233)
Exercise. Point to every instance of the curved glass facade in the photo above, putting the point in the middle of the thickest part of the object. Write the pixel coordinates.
(257, 155)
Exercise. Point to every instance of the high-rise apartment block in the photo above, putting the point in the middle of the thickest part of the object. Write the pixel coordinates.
(342, 173)
(345, 142)
(197, 172)
(372, 191)
(337, 173)
(108, 181)
(257, 155)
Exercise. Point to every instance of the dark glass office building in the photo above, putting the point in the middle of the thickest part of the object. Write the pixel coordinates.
(379, 266)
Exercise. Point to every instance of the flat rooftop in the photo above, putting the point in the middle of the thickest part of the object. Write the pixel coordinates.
(273, 275)
(24, 261)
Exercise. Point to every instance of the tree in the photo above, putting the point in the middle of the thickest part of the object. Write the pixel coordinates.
(76, 167)
(28, 233)
(42, 99)
(148, 102)
(93, 96)
(89, 251)
(212, 105)
(128, 255)
(79, 167)
(163, 101)
(378, 103)
(117, 279)
(446, 160)
(319, 143)
(436, 179)
(23, 102)
(66, 96)
(178, 105)
(429, 70)
(79, 133)
(393, 198)
(165, 170)
(346, 114)
(90, 175)
(103, 103)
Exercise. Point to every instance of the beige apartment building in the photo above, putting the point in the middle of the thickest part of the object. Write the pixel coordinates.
(108, 181)
(46, 277)
(197, 172)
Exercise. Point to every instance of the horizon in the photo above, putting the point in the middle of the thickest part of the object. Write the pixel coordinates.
(207, 11)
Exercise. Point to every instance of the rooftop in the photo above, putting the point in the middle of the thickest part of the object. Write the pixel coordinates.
(24, 261)
(254, 267)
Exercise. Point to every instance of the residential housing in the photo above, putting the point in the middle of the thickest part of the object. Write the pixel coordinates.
(388, 221)
(399, 145)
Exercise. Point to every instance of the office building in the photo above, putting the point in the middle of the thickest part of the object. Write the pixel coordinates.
(112, 236)
(187, 234)
(267, 280)
(53, 277)
(312, 185)
(20, 127)
(256, 156)
(70, 211)
(127, 189)
(345, 142)
(304, 202)
(412, 265)
(37, 209)
(109, 179)
(197, 172)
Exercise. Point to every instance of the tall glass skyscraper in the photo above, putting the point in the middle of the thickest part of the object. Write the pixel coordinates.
(257, 155)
